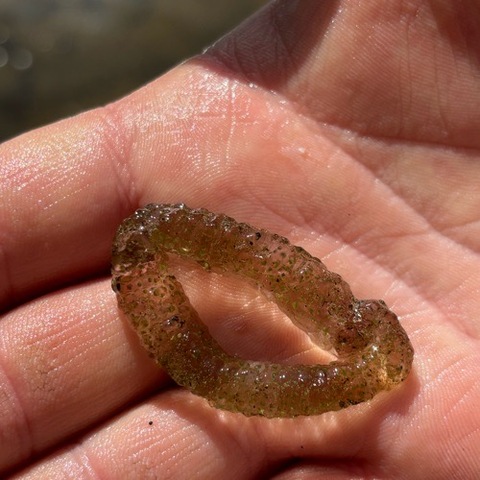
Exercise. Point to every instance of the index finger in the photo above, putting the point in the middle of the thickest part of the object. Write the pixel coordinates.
(62, 193)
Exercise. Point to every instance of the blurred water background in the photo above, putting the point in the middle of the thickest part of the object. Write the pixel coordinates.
(59, 57)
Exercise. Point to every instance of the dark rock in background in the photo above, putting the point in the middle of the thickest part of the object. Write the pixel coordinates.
(59, 57)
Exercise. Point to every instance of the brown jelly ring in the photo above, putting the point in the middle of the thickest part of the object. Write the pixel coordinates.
(372, 349)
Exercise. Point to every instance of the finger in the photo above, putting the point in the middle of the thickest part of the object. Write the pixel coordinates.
(66, 361)
(60, 203)
(177, 435)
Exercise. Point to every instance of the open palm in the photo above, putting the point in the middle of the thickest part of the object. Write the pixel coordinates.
(350, 129)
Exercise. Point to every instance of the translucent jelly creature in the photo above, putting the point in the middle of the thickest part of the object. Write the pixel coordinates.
(372, 349)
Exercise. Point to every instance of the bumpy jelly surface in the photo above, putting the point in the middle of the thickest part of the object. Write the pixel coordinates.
(373, 351)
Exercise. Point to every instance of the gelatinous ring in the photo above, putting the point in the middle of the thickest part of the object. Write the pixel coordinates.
(373, 351)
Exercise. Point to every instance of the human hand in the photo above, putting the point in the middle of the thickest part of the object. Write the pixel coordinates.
(350, 129)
